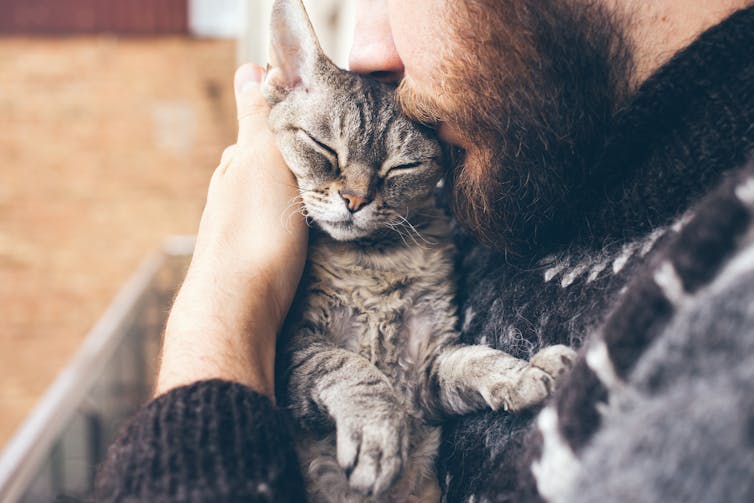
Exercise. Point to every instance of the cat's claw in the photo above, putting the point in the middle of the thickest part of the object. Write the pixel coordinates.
(555, 360)
(532, 386)
(372, 451)
(535, 382)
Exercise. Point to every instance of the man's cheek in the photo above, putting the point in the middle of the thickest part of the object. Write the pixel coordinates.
(451, 134)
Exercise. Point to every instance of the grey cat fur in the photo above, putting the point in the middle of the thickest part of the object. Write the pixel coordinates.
(372, 351)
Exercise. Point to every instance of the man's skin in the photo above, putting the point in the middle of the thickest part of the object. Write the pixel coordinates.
(239, 286)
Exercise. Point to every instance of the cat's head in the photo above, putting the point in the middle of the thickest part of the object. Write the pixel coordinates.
(361, 166)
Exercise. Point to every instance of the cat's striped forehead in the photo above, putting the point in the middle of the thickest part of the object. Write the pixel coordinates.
(357, 118)
(364, 120)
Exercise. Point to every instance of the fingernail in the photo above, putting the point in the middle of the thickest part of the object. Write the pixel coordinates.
(248, 77)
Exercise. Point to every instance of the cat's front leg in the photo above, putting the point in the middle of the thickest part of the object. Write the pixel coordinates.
(461, 379)
(371, 424)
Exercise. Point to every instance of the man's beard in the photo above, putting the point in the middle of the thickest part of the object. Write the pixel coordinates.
(532, 89)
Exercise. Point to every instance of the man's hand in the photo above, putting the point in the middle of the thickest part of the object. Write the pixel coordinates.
(249, 255)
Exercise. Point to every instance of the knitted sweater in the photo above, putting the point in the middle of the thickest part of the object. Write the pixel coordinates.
(659, 211)
(657, 256)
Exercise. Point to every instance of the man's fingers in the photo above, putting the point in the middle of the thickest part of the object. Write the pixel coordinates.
(251, 107)
(228, 154)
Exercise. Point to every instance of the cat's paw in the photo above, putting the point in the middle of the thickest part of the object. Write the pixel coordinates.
(372, 450)
(531, 386)
(533, 382)
(555, 360)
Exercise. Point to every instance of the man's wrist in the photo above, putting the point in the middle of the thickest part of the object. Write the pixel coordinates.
(221, 326)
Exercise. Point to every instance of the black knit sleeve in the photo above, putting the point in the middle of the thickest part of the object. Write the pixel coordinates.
(212, 441)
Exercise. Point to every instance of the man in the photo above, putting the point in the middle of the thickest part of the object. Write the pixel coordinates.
(603, 199)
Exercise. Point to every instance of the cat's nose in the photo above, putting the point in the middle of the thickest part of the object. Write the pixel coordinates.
(354, 202)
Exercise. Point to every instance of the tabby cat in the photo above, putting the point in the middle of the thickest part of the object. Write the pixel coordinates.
(369, 365)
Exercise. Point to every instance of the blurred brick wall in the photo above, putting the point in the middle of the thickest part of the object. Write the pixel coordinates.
(63, 17)
(107, 145)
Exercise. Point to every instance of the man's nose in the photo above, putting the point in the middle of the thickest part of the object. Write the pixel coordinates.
(373, 52)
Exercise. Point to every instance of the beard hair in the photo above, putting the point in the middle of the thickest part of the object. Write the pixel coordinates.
(533, 90)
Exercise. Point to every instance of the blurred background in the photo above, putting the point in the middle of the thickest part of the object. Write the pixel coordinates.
(113, 115)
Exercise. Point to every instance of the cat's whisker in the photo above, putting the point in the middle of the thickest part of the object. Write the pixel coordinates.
(406, 234)
(295, 201)
(426, 240)
(397, 231)
(290, 212)
(413, 238)
(422, 213)
(405, 221)
(294, 206)
(397, 226)
(304, 212)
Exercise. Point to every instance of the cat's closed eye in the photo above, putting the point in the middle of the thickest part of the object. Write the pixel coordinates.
(405, 168)
(327, 152)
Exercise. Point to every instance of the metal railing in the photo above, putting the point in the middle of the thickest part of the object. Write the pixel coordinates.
(55, 453)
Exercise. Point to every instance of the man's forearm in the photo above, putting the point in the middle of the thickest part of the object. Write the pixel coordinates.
(215, 332)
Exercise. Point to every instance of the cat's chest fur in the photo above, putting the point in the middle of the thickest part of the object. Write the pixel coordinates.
(385, 301)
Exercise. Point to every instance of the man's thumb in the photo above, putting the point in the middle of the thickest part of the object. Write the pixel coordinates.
(251, 107)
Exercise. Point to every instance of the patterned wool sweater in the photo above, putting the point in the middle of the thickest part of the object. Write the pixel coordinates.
(656, 252)
(664, 211)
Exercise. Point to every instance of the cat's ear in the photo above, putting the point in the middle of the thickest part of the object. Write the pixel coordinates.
(295, 52)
